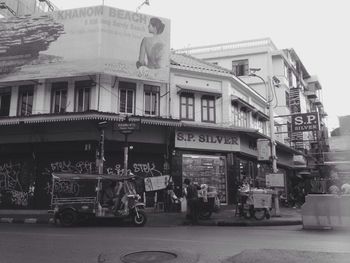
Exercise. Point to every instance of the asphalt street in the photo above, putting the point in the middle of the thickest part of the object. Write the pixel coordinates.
(47, 243)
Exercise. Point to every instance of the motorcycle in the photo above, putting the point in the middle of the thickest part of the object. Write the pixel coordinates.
(69, 210)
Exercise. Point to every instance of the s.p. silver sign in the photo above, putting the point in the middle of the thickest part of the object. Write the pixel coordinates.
(305, 122)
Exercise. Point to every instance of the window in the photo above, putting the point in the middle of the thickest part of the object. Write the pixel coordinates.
(126, 97)
(5, 101)
(240, 67)
(235, 112)
(208, 109)
(59, 97)
(287, 99)
(151, 100)
(244, 117)
(25, 100)
(187, 106)
(83, 95)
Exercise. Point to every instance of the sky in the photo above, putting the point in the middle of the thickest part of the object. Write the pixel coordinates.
(315, 29)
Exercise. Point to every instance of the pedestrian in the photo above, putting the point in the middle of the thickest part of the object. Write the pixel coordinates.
(191, 194)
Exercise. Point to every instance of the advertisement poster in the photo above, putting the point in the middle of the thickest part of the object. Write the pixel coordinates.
(87, 40)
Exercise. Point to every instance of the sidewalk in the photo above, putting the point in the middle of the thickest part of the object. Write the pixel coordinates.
(226, 217)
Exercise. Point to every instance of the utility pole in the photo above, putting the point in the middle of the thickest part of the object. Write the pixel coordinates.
(269, 85)
(101, 154)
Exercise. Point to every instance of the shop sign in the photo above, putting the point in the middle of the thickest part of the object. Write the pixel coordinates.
(207, 140)
(305, 122)
(264, 149)
(275, 180)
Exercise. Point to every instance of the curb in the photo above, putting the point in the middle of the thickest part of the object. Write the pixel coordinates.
(12, 220)
(261, 223)
(286, 222)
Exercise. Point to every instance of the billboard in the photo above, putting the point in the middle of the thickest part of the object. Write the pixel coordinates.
(87, 40)
(305, 122)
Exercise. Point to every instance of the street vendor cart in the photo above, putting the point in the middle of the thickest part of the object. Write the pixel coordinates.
(255, 203)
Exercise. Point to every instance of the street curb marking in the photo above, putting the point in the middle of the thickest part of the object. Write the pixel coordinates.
(6, 220)
(30, 221)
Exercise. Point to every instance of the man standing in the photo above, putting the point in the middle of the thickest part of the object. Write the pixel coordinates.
(191, 193)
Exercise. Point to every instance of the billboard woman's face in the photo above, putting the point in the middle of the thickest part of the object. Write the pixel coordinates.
(152, 29)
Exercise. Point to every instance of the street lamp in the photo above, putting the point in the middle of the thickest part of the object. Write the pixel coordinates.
(145, 2)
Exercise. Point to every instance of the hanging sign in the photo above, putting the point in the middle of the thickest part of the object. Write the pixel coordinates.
(264, 149)
(305, 122)
(126, 127)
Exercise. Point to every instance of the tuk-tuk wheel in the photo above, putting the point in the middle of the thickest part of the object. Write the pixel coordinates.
(139, 220)
(68, 217)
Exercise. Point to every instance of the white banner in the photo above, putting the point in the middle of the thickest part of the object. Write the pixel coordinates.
(156, 183)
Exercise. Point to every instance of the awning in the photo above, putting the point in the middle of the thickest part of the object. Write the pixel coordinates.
(84, 116)
(216, 92)
(243, 103)
(261, 115)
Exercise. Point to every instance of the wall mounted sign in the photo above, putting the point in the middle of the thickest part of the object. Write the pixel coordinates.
(207, 140)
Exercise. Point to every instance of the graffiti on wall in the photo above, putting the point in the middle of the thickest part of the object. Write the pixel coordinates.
(11, 190)
(79, 167)
(64, 188)
(9, 176)
(147, 169)
(70, 188)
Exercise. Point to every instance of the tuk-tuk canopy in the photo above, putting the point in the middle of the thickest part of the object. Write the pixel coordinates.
(72, 176)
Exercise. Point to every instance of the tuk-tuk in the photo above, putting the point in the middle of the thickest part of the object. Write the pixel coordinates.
(72, 203)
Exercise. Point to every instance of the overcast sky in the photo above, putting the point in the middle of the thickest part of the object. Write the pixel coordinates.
(316, 29)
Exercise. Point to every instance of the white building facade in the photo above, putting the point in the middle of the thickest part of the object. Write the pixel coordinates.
(278, 75)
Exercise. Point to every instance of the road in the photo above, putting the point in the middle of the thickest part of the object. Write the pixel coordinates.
(46, 243)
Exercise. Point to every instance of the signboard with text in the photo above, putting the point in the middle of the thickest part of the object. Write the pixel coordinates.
(275, 180)
(126, 127)
(264, 149)
(98, 39)
(305, 122)
(207, 140)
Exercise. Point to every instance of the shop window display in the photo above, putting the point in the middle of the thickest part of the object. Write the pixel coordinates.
(206, 169)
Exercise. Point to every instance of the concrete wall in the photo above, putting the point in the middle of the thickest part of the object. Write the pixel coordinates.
(326, 211)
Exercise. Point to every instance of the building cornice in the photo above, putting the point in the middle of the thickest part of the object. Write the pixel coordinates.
(87, 116)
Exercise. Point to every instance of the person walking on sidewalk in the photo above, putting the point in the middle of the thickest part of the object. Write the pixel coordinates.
(191, 194)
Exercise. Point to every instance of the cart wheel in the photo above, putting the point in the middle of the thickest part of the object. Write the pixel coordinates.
(259, 213)
(205, 214)
(247, 214)
(139, 220)
(68, 218)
